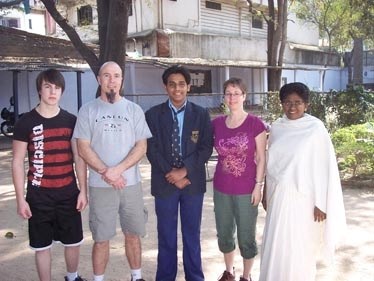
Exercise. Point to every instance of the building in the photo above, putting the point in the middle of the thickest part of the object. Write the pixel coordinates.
(34, 19)
(215, 39)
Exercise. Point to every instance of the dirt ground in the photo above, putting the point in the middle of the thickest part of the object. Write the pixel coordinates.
(354, 261)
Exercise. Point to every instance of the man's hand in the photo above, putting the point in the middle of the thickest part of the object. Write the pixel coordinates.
(82, 201)
(182, 183)
(111, 174)
(119, 183)
(176, 174)
(23, 209)
(112, 177)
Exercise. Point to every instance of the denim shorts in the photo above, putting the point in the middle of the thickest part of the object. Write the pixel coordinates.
(106, 204)
(235, 213)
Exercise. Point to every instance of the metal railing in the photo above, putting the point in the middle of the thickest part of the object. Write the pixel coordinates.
(212, 101)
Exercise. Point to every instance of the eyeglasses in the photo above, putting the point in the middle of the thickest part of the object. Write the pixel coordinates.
(234, 95)
(290, 103)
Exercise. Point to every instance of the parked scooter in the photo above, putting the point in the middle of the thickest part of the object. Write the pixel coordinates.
(7, 126)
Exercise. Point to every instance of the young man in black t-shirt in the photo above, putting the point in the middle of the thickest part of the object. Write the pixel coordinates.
(54, 201)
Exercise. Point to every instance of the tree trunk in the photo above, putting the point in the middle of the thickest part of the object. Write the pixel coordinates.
(113, 24)
(357, 56)
(87, 53)
(277, 36)
(113, 19)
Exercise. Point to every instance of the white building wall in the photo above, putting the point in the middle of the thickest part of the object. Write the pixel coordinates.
(368, 75)
(225, 21)
(334, 79)
(28, 96)
(193, 16)
(144, 17)
(33, 22)
(180, 15)
(6, 89)
(211, 46)
(143, 85)
(301, 32)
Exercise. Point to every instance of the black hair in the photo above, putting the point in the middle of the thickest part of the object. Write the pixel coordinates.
(294, 88)
(236, 82)
(175, 69)
(51, 76)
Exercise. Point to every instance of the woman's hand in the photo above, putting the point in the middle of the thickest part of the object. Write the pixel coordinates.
(256, 195)
(319, 215)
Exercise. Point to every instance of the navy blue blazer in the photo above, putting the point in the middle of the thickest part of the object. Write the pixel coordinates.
(197, 147)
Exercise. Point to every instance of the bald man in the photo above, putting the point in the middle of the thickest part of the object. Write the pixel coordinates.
(112, 138)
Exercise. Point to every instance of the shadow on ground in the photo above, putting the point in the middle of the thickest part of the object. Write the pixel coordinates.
(354, 261)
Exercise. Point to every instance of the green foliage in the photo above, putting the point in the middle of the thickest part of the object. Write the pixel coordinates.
(272, 106)
(354, 106)
(344, 108)
(335, 109)
(349, 115)
(354, 147)
(339, 21)
(319, 104)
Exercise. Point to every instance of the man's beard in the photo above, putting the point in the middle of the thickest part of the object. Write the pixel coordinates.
(111, 96)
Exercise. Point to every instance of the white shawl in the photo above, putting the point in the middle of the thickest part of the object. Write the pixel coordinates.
(301, 154)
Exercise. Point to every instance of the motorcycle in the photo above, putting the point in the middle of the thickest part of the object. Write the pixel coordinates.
(7, 126)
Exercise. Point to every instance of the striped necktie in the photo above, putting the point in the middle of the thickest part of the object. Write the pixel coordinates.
(176, 152)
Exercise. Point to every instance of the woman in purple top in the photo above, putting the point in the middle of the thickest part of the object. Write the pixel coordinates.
(240, 141)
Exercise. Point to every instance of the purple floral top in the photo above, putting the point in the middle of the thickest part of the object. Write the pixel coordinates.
(236, 168)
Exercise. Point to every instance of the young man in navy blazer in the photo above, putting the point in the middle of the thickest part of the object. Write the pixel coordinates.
(178, 174)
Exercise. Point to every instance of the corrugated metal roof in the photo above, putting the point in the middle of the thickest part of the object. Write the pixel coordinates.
(165, 62)
(20, 50)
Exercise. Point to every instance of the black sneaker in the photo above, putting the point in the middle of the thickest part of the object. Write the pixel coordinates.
(76, 279)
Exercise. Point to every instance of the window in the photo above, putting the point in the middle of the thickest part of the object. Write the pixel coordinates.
(257, 22)
(85, 15)
(30, 24)
(201, 81)
(9, 22)
(130, 10)
(213, 5)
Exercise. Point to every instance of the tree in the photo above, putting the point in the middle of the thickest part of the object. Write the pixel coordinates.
(327, 15)
(345, 24)
(360, 29)
(276, 20)
(113, 25)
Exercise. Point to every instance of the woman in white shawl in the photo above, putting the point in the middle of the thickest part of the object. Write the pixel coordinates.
(304, 202)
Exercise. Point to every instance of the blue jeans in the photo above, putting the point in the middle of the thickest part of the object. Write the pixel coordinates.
(167, 227)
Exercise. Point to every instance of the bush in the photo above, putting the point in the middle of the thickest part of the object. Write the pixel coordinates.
(272, 107)
(342, 109)
(354, 146)
(354, 106)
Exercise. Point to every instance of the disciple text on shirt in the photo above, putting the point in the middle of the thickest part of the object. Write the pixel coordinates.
(37, 161)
